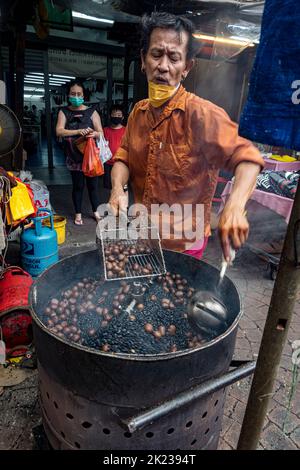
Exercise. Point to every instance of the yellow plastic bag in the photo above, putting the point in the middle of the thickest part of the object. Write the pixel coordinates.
(9, 219)
(283, 158)
(20, 205)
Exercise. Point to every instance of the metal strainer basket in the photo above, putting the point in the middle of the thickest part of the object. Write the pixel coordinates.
(131, 253)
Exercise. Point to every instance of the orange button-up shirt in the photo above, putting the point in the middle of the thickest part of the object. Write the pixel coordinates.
(176, 157)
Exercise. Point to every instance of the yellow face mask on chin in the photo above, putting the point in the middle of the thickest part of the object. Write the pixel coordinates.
(159, 94)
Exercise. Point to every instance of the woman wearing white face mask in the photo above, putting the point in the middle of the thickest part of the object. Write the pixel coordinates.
(74, 121)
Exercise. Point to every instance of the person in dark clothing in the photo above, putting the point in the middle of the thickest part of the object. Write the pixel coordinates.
(74, 121)
(26, 112)
(35, 112)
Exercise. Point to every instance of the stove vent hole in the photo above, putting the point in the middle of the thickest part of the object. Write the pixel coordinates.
(189, 424)
(207, 431)
(216, 418)
(170, 431)
(106, 431)
(86, 424)
(62, 434)
(55, 404)
(127, 434)
(48, 396)
(149, 434)
(77, 445)
(204, 414)
(217, 401)
(193, 442)
(68, 415)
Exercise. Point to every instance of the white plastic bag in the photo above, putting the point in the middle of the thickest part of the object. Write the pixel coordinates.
(40, 194)
(25, 176)
(104, 150)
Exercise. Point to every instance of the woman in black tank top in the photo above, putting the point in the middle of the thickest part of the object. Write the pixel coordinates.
(74, 121)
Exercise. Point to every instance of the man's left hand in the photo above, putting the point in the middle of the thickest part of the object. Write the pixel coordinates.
(233, 228)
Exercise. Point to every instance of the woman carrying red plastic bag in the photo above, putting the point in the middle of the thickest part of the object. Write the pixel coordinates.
(91, 165)
(74, 121)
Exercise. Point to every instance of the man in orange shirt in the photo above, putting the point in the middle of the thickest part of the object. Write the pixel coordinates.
(175, 142)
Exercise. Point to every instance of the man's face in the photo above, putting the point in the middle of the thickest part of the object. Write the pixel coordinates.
(165, 62)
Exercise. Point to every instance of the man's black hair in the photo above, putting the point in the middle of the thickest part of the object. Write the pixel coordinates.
(117, 107)
(168, 21)
(73, 83)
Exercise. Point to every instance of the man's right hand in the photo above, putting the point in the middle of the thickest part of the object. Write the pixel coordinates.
(118, 201)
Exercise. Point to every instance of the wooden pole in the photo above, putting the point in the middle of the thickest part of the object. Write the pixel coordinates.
(275, 333)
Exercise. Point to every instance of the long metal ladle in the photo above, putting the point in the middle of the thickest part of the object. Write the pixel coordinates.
(206, 311)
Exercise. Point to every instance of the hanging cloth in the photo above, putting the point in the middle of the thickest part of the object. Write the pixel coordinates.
(272, 112)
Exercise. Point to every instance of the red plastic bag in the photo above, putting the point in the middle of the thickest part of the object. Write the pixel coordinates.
(91, 165)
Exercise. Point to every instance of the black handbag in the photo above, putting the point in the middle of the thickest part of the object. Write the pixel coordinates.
(76, 120)
(71, 150)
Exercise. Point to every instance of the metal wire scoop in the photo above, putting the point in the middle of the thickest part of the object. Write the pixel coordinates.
(130, 253)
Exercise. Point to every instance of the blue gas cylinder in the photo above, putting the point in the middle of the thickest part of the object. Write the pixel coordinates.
(39, 247)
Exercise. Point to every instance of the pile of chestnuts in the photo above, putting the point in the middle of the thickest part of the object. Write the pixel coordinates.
(122, 259)
(96, 314)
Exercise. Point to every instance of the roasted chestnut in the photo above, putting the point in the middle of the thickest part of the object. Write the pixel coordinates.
(157, 334)
(148, 328)
(162, 330)
(172, 330)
